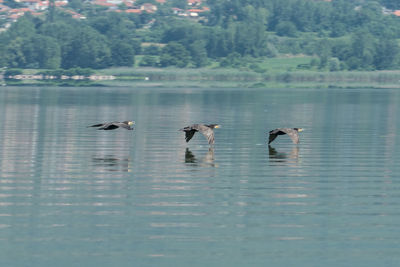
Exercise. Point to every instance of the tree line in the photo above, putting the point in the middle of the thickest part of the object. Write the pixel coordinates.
(342, 34)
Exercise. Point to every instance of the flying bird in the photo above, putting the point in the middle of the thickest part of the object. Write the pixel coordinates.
(292, 132)
(114, 125)
(205, 129)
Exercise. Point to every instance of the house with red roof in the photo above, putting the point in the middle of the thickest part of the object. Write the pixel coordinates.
(61, 3)
(133, 11)
(179, 11)
(196, 12)
(14, 17)
(20, 10)
(4, 8)
(43, 5)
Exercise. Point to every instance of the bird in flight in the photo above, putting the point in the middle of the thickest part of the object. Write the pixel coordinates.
(114, 125)
(292, 132)
(206, 129)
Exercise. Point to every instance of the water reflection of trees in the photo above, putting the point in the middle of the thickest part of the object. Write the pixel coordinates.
(206, 160)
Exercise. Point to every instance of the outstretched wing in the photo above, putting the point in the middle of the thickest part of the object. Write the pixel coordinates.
(271, 137)
(189, 134)
(208, 133)
(293, 134)
(97, 125)
(109, 126)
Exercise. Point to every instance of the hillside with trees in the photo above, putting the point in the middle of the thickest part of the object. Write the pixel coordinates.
(338, 34)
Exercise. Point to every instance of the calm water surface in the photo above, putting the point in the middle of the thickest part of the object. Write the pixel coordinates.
(74, 196)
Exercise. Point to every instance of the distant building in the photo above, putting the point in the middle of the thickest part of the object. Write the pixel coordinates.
(194, 13)
(150, 8)
(104, 3)
(74, 14)
(39, 5)
(116, 2)
(4, 8)
(133, 11)
(194, 2)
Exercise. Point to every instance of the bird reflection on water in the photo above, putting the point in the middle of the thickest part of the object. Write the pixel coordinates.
(189, 157)
(207, 160)
(112, 163)
(276, 156)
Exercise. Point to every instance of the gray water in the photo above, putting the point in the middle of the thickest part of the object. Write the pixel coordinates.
(75, 196)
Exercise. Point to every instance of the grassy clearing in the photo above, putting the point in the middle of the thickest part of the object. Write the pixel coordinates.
(277, 64)
(282, 64)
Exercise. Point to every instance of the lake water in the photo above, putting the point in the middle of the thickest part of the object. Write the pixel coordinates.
(74, 196)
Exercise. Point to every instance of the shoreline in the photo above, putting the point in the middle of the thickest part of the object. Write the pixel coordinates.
(218, 78)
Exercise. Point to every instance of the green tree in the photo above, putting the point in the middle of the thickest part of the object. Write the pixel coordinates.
(122, 54)
(24, 27)
(232, 60)
(62, 31)
(286, 28)
(87, 49)
(34, 52)
(250, 39)
(148, 61)
(14, 54)
(392, 4)
(102, 24)
(152, 50)
(334, 64)
(323, 51)
(51, 10)
(75, 4)
(198, 54)
(387, 54)
(174, 54)
(363, 50)
(46, 52)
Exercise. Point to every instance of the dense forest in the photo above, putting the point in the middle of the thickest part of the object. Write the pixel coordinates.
(341, 34)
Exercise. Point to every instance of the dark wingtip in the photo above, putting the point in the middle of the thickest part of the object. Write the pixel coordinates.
(96, 125)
